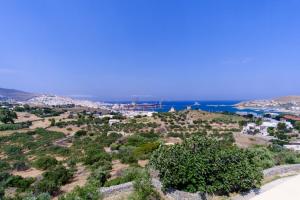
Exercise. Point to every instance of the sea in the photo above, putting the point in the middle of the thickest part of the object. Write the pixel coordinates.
(209, 106)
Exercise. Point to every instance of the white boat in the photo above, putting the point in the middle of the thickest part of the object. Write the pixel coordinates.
(196, 104)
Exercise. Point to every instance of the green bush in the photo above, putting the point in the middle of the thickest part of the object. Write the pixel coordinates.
(5, 127)
(206, 165)
(126, 155)
(263, 156)
(127, 176)
(12, 150)
(80, 133)
(286, 157)
(143, 188)
(53, 179)
(45, 162)
(135, 140)
(19, 182)
(145, 149)
(2, 192)
(88, 192)
(20, 166)
(58, 150)
(46, 186)
(4, 165)
(59, 175)
(94, 156)
(99, 176)
(7, 115)
(42, 196)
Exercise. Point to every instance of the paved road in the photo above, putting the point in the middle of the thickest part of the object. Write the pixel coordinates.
(267, 187)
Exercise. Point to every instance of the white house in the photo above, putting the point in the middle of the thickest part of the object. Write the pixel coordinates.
(113, 121)
(252, 128)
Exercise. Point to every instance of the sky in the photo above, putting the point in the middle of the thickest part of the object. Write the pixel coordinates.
(151, 49)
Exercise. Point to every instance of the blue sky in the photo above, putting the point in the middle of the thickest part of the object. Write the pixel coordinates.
(158, 49)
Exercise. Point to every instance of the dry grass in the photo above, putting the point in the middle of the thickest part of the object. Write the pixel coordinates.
(143, 163)
(172, 140)
(25, 116)
(245, 141)
(68, 130)
(32, 172)
(117, 168)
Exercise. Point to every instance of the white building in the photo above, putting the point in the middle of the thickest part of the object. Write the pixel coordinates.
(113, 121)
(252, 128)
(172, 110)
(295, 147)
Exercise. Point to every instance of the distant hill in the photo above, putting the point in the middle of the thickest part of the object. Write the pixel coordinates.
(288, 99)
(16, 95)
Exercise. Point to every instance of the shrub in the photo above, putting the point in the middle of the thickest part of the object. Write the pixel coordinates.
(88, 192)
(5, 127)
(263, 156)
(94, 156)
(60, 175)
(4, 165)
(45, 162)
(45, 186)
(19, 182)
(2, 192)
(135, 140)
(12, 150)
(126, 155)
(53, 179)
(80, 133)
(286, 157)
(145, 149)
(7, 116)
(42, 196)
(143, 188)
(206, 165)
(127, 176)
(99, 176)
(58, 150)
(20, 166)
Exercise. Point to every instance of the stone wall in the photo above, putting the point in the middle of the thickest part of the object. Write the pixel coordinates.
(181, 195)
(114, 190)
(277, 170)
(170, 194)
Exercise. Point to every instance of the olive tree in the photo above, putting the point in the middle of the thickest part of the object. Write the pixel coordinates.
(206, 165)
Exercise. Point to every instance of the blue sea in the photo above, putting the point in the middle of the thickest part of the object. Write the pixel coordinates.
(210, 106)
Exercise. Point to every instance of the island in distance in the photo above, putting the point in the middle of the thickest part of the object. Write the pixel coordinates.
(287, 104)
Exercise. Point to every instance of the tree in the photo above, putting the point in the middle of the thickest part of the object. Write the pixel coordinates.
(7, 116)
(281, 126)
(297, 125)
(52, 120)
(206, 165)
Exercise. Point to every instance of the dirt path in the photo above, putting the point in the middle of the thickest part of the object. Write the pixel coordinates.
(79, 179)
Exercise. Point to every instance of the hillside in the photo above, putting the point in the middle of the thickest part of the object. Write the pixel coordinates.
(288, 99)
(16, 94)
(286, 104)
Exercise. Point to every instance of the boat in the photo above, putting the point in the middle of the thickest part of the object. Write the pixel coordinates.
(196, 104)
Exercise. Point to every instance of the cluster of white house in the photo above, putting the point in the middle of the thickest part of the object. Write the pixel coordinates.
(262, 129)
